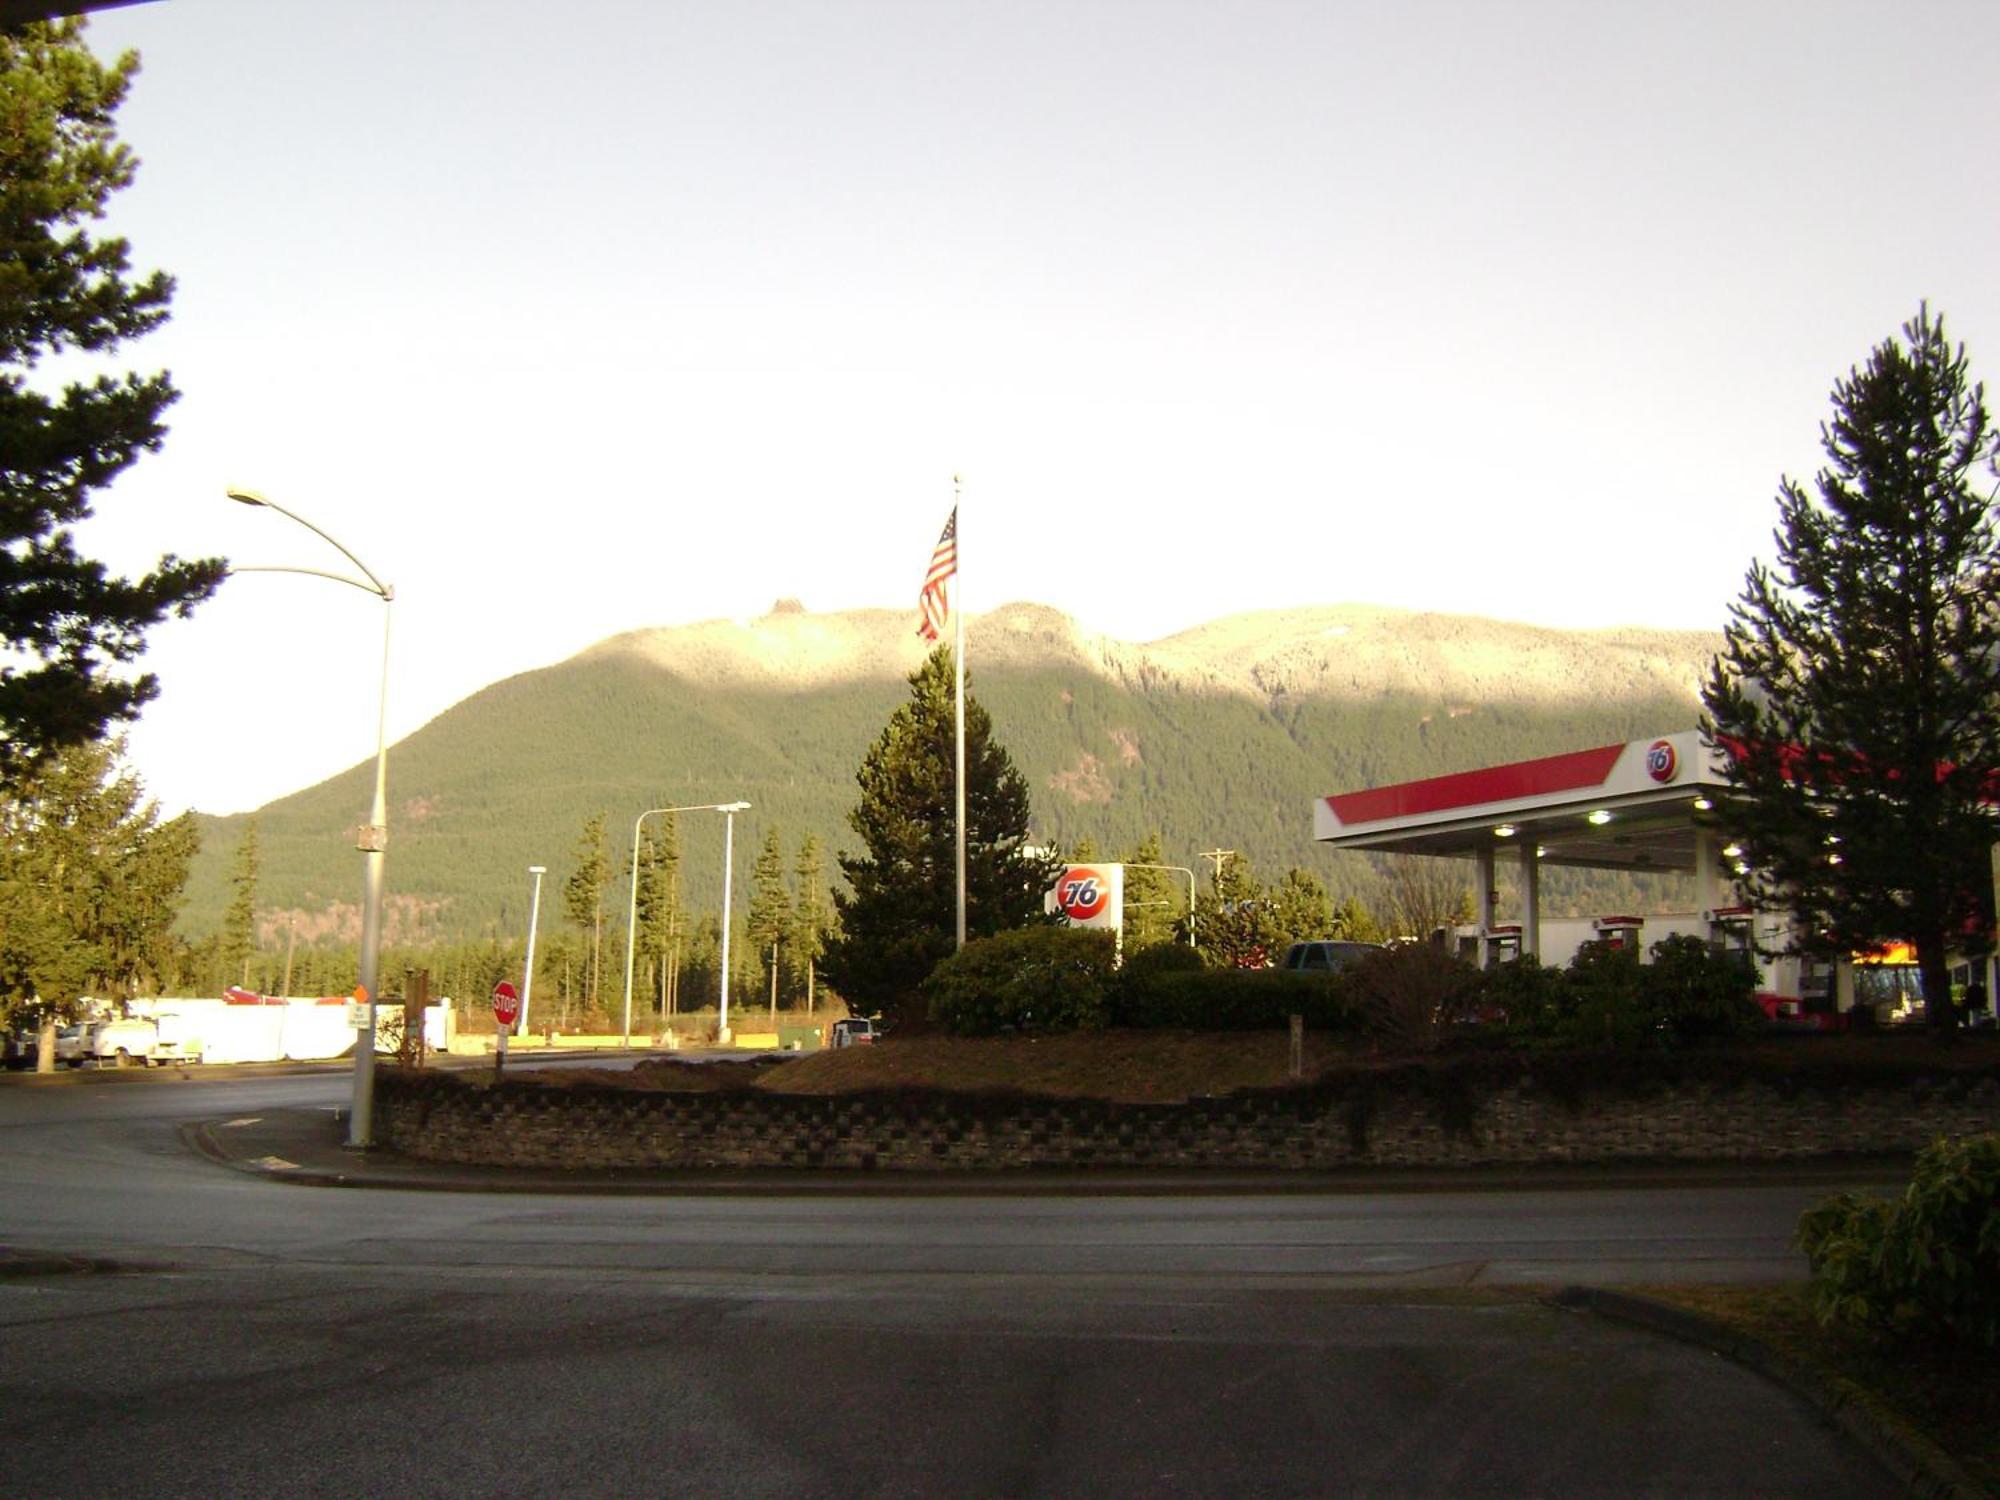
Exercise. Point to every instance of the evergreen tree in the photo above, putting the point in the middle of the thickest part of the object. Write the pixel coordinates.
(1152, 903)
(239, 922)
(1236, 923)
(1859, 678)
(770, 909)
(583, 901)
(70, 628)
(659, 915)
(812, 914)
(88, 882)
(899, 919)
(1353, 922)
(1301, 909)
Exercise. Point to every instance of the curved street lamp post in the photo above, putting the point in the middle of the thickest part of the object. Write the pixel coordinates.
(729, 810)
(373, 839)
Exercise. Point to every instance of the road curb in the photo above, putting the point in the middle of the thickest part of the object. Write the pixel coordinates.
(1923, 1468)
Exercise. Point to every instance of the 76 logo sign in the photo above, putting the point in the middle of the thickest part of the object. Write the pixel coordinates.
(1083, 894)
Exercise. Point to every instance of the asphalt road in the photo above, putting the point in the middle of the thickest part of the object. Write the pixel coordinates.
(261, 1337)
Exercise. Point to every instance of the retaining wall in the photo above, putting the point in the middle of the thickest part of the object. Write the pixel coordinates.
(1400, 1122)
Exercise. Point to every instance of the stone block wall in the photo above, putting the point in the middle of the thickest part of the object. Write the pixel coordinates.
(448, 1118)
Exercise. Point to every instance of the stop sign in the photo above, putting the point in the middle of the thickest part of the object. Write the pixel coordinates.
(506, 1003)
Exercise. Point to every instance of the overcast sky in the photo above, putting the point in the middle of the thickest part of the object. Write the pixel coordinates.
(576, 319)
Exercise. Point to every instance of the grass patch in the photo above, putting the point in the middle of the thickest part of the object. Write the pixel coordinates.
(1137, 1067)
(1947, 1393)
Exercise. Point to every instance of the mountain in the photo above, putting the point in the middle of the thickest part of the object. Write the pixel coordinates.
(1219, 736)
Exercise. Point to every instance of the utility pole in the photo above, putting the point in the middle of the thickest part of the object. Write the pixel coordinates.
(1219, 857)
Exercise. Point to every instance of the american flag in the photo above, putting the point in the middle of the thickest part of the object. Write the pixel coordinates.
(934, 603)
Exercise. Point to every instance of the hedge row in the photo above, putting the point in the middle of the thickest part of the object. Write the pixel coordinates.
(1062, 979)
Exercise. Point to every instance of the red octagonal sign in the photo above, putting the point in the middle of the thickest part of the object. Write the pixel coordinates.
(506, 1003)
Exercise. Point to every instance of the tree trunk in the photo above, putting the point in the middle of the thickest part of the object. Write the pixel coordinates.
(45, 1044)
(1939, 1013)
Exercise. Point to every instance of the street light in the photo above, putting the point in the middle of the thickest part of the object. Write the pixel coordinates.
(372, 840)
(730, 810)
(534, 915)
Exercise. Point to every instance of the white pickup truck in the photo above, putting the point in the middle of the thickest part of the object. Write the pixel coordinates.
(166, 1038)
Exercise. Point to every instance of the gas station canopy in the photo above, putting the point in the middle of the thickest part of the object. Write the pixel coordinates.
(1636, 806)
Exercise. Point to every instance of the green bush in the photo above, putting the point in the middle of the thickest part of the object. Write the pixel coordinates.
(1607, 998)
(1531, 995)
(1232, 999)
(1926, 1264)
(1697, 993)
(1161, 958)
(1030, 979)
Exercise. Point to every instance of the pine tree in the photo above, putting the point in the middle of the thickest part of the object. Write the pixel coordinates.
(1235, 921)
(1860, 676)
(770, 909)
(70, 628)
(812, 914)
(239, 922)
(88, 881)
(583, 901)
(1301, 909)
(899, 919)
(1152, 904)
(1353, 922)
(659, 914)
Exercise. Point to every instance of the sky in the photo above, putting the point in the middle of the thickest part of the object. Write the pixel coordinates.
(574, 320)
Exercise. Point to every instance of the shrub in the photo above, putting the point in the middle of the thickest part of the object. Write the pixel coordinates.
(1698, 993)
(1030, 979)
(1531, 995)
(1411, 996)
(1928, 1263)
(1605, 1003)
(1607, 998)
(1161, 958)
(1232, 999)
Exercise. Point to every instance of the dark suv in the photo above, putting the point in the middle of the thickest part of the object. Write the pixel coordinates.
(1326, 957)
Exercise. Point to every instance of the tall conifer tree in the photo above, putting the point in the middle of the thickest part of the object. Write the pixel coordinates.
(899, 918)
(812, 915)
(1859, 680)
(770, 914)
(70, 627)
(239, 922)
(583, 899)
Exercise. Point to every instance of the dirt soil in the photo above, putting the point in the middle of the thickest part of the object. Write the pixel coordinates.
(1129, 1066)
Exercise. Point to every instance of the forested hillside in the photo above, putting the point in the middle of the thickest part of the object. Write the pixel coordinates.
(1219, 737)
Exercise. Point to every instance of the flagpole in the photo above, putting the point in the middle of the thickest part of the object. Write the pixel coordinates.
(958, 662)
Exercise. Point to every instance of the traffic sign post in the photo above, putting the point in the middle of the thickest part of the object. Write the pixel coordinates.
(506, 1006)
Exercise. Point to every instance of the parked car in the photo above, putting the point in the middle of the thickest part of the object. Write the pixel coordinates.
(1327, 956)
(851, 1031)
(19, 1049)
